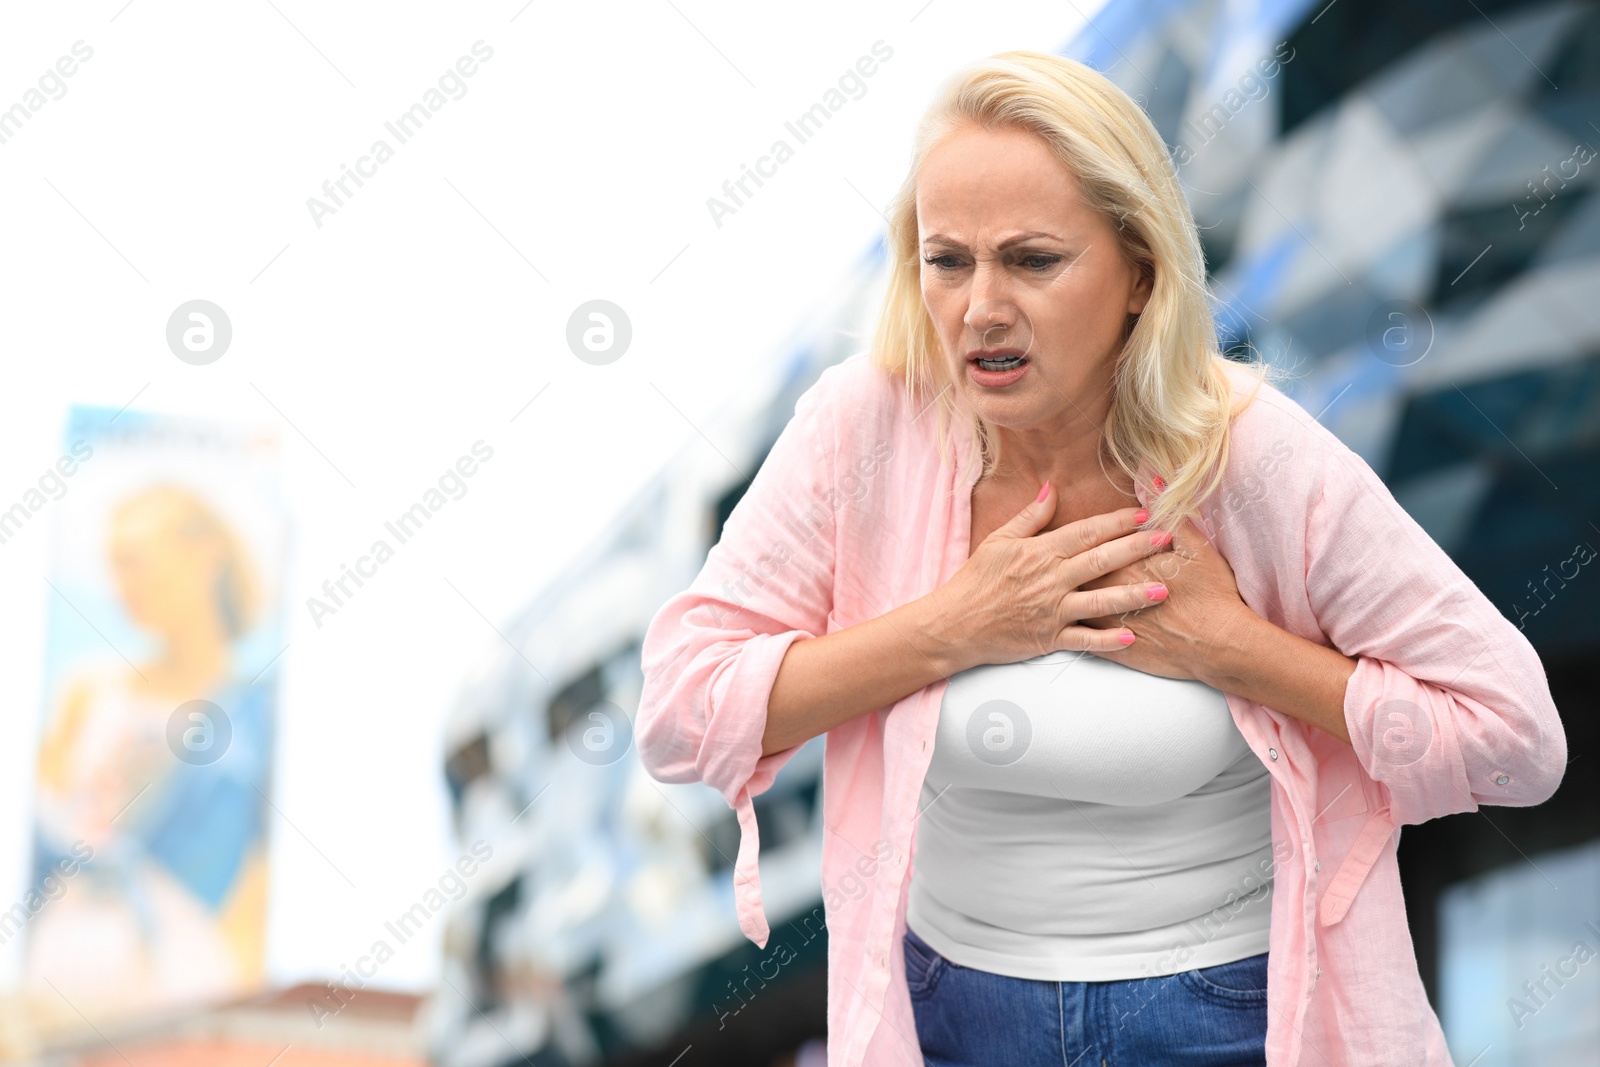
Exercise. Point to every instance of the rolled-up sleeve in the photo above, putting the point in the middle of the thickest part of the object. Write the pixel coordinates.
(1448, 706)
(711, 653)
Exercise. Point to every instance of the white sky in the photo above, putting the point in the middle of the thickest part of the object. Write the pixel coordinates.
(406, 327)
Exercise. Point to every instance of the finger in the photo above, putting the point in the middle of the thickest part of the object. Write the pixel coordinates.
(1140, 570)
(1085, 639)
(1119, 552)
(1077, 537)
(1085, 604)
(1032, 518)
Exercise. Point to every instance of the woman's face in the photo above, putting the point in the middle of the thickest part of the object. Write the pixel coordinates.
(165, 580)
(1013, 263)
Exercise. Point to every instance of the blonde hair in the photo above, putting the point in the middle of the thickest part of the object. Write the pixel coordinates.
(1171, 399)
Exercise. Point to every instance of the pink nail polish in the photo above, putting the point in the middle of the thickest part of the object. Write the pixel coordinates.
(1160, 537)
(1126, 638)
(1044, 491)
(1156, 591)
(1141, 516)
(1160, 484)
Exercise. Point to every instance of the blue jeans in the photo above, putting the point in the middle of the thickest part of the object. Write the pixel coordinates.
(1210, 1017)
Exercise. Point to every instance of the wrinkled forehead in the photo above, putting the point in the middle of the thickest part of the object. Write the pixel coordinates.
(979, 187)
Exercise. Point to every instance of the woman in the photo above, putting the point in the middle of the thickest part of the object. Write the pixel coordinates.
(1145, 675)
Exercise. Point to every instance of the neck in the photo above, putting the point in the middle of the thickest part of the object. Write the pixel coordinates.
(1067, 452)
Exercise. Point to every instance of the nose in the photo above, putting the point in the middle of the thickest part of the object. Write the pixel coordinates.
(990, 314)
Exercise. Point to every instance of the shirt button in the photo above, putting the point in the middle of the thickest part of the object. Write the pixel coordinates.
(1272, 752)
(1319, 865)
(1502, 779)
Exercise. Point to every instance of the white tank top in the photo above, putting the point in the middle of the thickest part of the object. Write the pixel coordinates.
(1084, 821)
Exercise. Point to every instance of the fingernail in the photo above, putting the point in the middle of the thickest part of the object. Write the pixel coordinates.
(1141, 516)
(1156, 591)
(1044, 491)
(1159, 483)
(1160, 537)
(1126, 638)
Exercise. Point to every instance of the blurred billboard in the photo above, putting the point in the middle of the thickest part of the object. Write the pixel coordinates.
(150, 863)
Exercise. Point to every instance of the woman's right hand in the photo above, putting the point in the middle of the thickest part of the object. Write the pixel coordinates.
(1018, 594)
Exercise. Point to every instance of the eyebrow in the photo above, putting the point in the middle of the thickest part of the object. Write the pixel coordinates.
(1007, 243)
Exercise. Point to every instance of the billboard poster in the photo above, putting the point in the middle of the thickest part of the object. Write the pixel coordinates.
(165, 637)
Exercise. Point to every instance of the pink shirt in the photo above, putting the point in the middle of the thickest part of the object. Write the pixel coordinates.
(853, 514)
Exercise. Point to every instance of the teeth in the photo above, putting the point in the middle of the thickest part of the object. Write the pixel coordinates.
(1000, 364)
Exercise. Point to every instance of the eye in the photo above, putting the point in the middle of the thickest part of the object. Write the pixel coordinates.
(1039, 261)
(945, 262)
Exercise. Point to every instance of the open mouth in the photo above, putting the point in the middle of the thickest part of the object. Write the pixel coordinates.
(1001, 359)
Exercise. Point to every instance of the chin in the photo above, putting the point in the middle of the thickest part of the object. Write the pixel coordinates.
(1011, 412)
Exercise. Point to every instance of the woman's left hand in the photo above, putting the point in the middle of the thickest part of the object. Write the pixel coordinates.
(1202, 611)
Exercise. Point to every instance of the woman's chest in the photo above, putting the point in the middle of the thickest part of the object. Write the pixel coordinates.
(1067, 725)
(994, 505)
